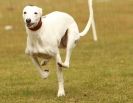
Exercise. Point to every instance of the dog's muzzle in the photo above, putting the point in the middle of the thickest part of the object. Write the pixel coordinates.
(33, 26)
(28, 23)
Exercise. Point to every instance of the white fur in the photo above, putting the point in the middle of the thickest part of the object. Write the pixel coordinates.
(45, 42)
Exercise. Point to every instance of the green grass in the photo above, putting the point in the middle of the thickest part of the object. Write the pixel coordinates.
(100, 72)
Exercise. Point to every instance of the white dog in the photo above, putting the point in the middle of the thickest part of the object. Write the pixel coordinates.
(46, 34)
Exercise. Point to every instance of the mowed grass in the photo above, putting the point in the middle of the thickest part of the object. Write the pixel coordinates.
(100, 72)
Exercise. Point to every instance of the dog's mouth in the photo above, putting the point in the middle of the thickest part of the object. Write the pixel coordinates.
(29, 24)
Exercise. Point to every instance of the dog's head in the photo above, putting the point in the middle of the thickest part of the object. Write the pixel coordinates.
(31, 15)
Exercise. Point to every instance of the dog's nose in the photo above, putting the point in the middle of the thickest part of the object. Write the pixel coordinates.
(28, 20)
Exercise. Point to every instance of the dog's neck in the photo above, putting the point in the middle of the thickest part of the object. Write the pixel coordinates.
(38, 26)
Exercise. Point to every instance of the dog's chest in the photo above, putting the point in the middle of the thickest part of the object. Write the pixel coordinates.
(38, 43)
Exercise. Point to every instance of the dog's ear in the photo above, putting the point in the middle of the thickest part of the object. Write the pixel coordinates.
(29, 5)
(40, 10)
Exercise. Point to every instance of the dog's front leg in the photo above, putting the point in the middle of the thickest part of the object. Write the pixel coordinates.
(44, 62)
(44, 74)
(61, 91)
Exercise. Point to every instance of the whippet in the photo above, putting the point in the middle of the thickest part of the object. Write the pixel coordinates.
(47, 34)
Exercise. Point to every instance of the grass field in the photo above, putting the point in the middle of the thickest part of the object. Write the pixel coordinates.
(100, 72)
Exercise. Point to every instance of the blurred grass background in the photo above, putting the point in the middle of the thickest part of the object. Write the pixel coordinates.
(100, 72)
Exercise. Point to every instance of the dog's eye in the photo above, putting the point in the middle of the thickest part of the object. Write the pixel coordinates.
(35, 13)
(25, 12)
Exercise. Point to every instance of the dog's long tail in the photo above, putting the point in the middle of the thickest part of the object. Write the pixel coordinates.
(90, 22)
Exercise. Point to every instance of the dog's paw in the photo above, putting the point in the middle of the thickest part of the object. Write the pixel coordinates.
(45, 74)
(61, 93)
(63, 65)
(60, 64)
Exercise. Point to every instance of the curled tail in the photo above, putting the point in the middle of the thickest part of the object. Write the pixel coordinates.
(90, 22)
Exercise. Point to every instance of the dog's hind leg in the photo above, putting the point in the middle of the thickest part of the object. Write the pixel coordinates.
(45, 73)
(70, 45)
(73, 37)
